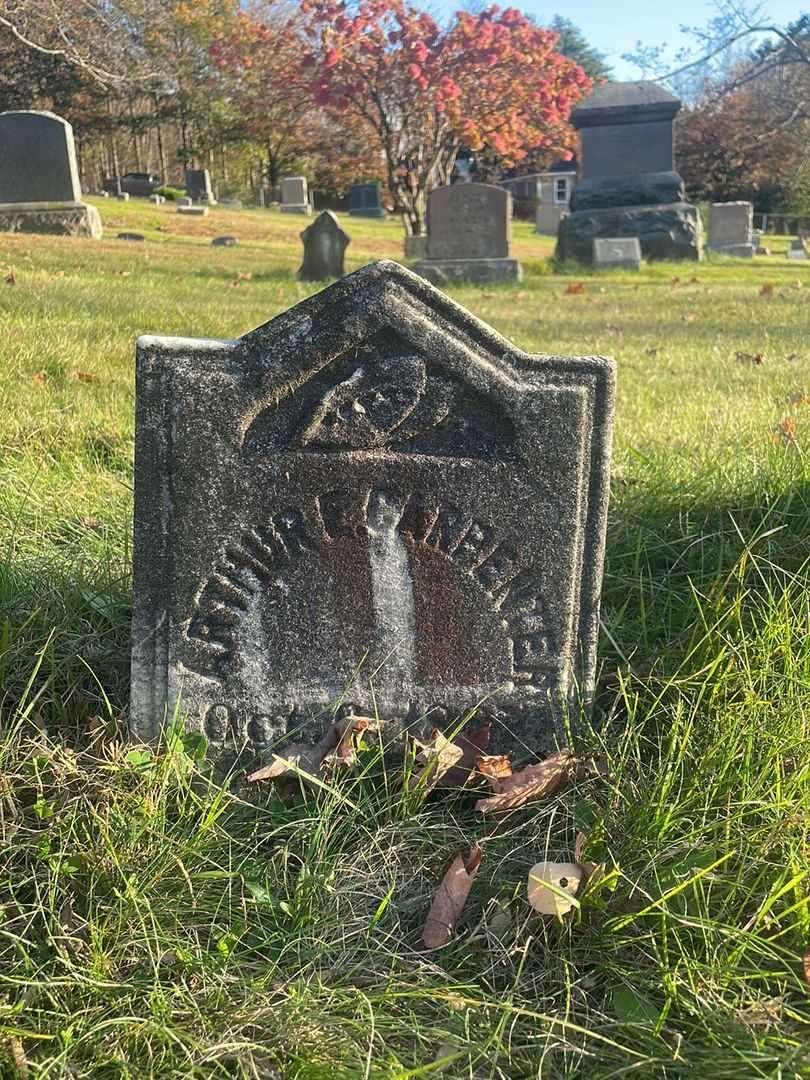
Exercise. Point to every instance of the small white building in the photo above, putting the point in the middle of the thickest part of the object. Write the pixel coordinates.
(549, 191)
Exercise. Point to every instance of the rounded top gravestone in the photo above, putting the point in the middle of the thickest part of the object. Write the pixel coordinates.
(37, 159)
(325, 244)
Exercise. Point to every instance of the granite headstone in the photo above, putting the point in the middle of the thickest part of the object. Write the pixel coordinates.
(295, 195)
(469, 233)
(365, 201)
(39, 181)
(198, 185)
(372, 499)
(731, 229)
(617, 253)
(325, 245)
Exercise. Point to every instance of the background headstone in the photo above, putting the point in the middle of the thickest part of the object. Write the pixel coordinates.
(198, 185)
(365, 201)
(192, 211)
(469, 232)
(157, 199)
(376, 474)
(627, 185)
(325, 244)
(39, 180)
(731, 229)
(797, 249)
(618, 253)
(224, 241)
(295, 195)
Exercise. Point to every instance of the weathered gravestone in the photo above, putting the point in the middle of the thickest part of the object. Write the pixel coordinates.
(39, 182)
(225, 241)
(797, 249)
(192, 211)
(364, 201)
(325, 245)
(619, 253)
(731, 229)
(198, 185)
(295, 195)
(469, 237)
(627, 184)
(374, 499)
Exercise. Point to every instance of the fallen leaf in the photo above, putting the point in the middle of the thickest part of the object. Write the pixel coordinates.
(575, 290)
(688, 317)
(798, 397)
(749, 358)
(495, 766)
(792, 356)
(766, 290)
(244, 275)
(589, 869)
(798, 285)
(533, 782)
(233, 285)
(522, 295)
(676, 281)
(11, 277)
(694, 281)
(806, 967)
(433, 761)
(334, 748)
(784, 431)
(473, 742)
(653, 350)
(450, 898)
(552, 886)
(41, 379)
(18, 1058)
(86, 377)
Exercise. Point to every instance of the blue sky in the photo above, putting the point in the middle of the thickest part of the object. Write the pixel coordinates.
(614, 26)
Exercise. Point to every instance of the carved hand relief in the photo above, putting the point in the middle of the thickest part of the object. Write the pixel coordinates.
(372, 402)
(385, 401)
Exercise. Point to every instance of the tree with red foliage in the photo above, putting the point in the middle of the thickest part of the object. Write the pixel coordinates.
(419, 91)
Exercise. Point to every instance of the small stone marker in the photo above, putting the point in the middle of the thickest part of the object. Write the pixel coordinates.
(123, 196)
(193, 211)
(731, 229)
(373, 499)
(620, 253)
(224, 241)
(469, 235)
(39, 181)
(325, 244)
(364, 201)
(130, 236)
(184, 200)
(797, 249)
(157, 199)
(295, 195)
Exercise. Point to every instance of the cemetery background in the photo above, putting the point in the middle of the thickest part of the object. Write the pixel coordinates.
(164, 926)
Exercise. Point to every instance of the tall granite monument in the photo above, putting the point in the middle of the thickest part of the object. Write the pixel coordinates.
(628, 186)
(375, 499)
(39, 181)
(469, 235)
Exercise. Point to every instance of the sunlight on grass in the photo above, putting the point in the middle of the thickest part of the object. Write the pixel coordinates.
(156, 922)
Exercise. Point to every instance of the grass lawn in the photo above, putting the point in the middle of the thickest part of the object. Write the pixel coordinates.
(156, 924)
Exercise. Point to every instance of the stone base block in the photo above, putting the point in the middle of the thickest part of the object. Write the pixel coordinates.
(480, 271)
(672, 231)
(796, 253)
(193, 211)
(415, 247)
(296, 208)
(739, 251)
(56, 219)
(375, 211)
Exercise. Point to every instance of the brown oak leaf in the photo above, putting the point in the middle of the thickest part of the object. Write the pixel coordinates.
(450, 898)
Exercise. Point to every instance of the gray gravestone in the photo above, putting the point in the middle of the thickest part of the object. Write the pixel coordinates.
(224, 241)
(198, 185)
(295, 195)
(364, 201)
(618, 253)
(731, 229)
(469, 235)
(39, 181)
(325, 244)
(797, 249)
(374, 499)
(157, 199)
(192, 211)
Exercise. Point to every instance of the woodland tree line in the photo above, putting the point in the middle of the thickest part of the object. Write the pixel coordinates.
(378, 89)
